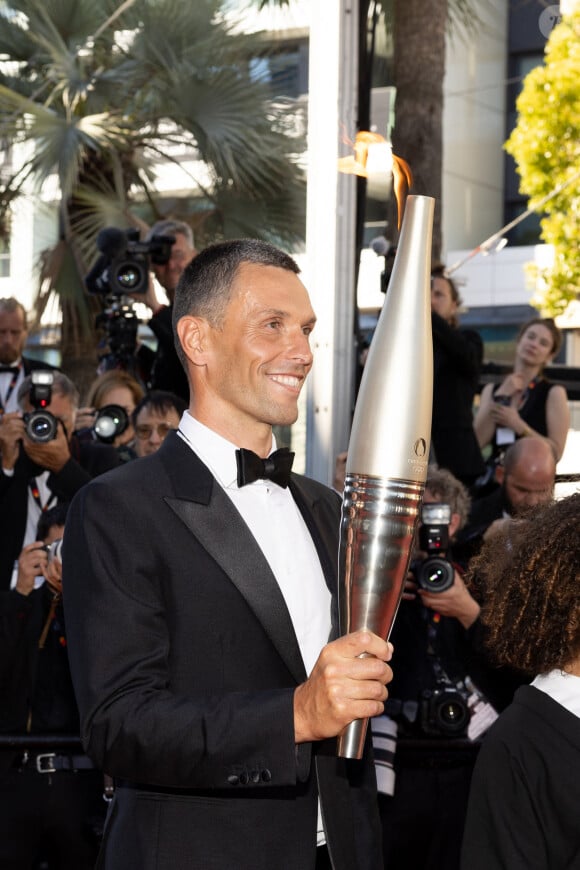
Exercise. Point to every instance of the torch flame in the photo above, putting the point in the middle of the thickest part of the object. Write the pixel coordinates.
(357, 165)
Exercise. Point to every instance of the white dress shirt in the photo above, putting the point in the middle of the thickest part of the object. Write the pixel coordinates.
(273, 517)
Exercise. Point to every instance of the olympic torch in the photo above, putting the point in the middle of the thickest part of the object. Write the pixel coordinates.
(388, 452)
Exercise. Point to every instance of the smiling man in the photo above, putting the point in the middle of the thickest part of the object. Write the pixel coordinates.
(202, 613)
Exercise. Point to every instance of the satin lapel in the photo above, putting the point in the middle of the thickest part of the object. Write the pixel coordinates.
(211, 517)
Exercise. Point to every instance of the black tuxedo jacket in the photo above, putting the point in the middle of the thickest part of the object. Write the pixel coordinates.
(185, 662)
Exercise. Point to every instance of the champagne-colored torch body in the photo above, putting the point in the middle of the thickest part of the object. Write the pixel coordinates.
(388, 451)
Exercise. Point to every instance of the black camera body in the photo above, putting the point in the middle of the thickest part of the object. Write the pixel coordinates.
(124, 264)
(435, 573)
(110, 421)
(41, 425)
(444, 711)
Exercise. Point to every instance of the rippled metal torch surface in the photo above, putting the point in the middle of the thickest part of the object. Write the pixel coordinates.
(386, 466)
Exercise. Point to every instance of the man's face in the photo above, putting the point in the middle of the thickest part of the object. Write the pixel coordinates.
(526, 488)
(12, 336)
(257, 362)
(152, 427)
(60, 407)
(169, 273)
(442, 302)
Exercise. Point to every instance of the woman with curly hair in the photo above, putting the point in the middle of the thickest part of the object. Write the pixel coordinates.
(524, 805)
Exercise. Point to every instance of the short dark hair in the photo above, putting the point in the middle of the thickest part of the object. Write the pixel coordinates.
(54, 516)
(204, 288)
(550, 324)
(160, 401)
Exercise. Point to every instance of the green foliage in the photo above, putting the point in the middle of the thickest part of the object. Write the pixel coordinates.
(101, 92)
(546, 147)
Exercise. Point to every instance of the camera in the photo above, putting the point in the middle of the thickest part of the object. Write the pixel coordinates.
(54, 550)
(444, 711)
(41, 425)
(111, 420)
(504, 401)
(123, 266)
(435, 573)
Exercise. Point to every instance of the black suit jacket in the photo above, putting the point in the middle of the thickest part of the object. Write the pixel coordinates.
(458, 355)
(185, 662)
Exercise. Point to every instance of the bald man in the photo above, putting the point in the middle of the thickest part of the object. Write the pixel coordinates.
(526, 480)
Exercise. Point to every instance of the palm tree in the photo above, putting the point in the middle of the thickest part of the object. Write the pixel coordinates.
(101, 92)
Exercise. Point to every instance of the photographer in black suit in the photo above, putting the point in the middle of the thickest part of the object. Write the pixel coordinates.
(37, 474)
(14, 366)
(51, 795)
(457, 359)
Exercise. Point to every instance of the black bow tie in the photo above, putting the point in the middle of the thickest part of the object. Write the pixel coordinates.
(9, 370)
(276, 467)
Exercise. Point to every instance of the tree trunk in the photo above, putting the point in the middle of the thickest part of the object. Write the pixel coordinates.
(419, 69)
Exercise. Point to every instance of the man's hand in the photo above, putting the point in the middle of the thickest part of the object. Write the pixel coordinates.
(31, 563)
(52, 455)
(53, 574)
(343, 686)
(455, 601)
(11, 433)
(85, 418)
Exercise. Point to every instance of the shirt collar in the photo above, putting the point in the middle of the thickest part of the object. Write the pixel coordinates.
(216, 452)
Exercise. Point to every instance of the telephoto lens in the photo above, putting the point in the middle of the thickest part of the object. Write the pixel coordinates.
(111, 420)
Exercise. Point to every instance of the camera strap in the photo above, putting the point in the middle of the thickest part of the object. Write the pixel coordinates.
(35, 493)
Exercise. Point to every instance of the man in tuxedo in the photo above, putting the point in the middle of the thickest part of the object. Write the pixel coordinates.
(200, 600)
(14, 367)
(35, 476)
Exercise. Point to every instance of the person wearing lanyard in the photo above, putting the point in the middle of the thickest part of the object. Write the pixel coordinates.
(35, 476)
(14, 367)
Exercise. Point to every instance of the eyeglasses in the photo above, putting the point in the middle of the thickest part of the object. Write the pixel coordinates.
(145, 430)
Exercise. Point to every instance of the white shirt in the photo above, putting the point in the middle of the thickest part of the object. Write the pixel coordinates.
(561, 687)
(273, 517)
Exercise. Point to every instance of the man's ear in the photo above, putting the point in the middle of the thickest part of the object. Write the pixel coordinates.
(193, 338)
(500, 474)
(453, 525)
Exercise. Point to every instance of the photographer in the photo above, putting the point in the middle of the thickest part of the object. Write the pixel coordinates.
(457, 359)
(52, 806)
(43, 463)
(163, 371)
(107, 414)
(14, 367)
(432, 694)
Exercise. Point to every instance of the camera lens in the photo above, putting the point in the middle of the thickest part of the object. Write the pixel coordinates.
(129, 276)
(436, 575)
(112, 420)
(41, 426)
(452, 714)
